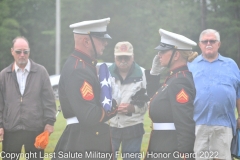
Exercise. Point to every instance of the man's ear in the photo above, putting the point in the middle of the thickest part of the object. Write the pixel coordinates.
(85, 41)
(12, 51)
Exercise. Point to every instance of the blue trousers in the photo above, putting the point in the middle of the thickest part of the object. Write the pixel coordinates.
(129, 146)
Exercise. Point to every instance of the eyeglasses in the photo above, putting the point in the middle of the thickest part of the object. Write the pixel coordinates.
(125, 58)
(20, 51)
(210, 41)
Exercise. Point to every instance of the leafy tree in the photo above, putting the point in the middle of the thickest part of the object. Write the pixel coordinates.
(224, 16)
(136, 21)
(8, 28)
(33, 19)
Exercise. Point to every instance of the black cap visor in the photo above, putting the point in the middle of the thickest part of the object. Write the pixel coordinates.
(104, 35)
(164, 47)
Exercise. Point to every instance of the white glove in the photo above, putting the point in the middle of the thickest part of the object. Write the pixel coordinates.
(156, 66)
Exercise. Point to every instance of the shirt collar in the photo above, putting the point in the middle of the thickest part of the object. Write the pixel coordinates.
(129, 72)
(201, 58)
(27, 67)
(220, 57)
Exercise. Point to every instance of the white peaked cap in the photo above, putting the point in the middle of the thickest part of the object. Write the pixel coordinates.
(171, 40)
(94, 27)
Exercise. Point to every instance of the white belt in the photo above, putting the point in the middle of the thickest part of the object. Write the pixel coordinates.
(164, 126)
(72, 120)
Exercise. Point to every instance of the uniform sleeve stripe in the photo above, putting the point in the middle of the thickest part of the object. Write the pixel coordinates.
(76, 64)
(103, 114)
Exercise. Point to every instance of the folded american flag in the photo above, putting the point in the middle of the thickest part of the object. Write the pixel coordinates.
(106, 88)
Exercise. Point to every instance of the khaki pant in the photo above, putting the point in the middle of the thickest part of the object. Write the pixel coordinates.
(213, 142)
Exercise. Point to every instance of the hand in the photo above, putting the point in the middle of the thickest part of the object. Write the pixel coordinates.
(126, 108)
(156, 66)
(49, 128)
(112, 113)
(114, 108)
(1, 134)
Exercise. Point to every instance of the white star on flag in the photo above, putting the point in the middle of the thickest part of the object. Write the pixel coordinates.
(104, 82)
(106, 89)
(106, 101)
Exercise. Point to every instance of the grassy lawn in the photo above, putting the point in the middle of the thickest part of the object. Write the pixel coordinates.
(61, 124)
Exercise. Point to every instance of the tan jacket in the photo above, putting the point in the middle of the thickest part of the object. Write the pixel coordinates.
(133, 83)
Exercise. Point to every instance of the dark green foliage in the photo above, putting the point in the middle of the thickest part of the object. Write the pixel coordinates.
(136, 21)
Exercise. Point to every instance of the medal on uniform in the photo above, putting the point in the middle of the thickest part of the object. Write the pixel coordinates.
(164, 87)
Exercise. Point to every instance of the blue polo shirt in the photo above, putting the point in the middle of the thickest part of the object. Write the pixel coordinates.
(217, 89)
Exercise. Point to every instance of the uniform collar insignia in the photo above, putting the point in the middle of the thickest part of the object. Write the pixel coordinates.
(178, 70)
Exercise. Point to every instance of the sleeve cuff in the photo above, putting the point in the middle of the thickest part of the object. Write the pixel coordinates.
(50, 122)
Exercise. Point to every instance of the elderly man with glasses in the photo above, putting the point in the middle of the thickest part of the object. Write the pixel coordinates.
(217, 82)
(27, 104)
(127, 126)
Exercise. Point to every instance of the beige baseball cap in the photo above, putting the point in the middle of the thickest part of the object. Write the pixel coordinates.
(123, 49)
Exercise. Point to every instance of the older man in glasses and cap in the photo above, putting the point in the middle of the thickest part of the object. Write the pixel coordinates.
(127, 127)
(87, 135)
(27, 104)
(217, 82)
(171, 107)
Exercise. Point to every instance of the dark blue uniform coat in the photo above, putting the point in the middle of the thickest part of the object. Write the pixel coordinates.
(79, 93)
(172, 103)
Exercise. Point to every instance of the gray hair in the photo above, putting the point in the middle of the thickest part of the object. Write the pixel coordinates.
(19, 37)
(210, 31)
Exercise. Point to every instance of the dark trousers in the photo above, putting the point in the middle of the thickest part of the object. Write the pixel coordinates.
(132, 145)
(13, 142)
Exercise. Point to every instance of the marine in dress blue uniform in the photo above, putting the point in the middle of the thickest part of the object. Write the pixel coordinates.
(171, 106)
(86, 135)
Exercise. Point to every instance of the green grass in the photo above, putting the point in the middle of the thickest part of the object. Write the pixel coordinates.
(61, 124)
